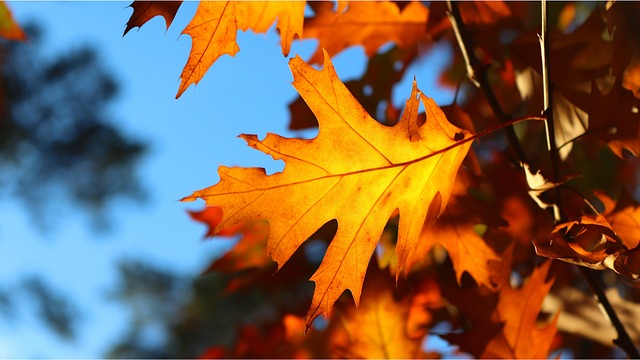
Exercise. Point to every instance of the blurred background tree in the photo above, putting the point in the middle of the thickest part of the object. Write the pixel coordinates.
(57, 141)
(173, 316)
(58, 146)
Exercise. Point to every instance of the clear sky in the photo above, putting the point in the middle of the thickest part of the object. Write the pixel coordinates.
(189, 138)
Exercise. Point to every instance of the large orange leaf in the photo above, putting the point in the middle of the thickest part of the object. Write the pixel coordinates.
(356, 171)
(214, 26)
(370, 24)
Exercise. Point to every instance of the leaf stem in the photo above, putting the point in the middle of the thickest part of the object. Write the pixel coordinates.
(475, 136)
(477, 73)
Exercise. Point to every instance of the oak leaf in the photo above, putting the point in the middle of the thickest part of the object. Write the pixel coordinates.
(604, 242)
(246, 264)
(518, 309)
(356, 171)
(626, 223)
(144, 11)
(380, 77)
(457, 231)
(623, 27)
(370, 24)
(386, 325)
(466, 248)
(214, 27)
(614, 116)
(586, 242)
(512, 330)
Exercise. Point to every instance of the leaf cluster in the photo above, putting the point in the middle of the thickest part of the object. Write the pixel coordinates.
(420, 226)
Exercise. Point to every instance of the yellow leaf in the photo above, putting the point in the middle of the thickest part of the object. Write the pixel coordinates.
(356, 171)
(214, 26)
(381, 327)
(467, 250)
(457, 231)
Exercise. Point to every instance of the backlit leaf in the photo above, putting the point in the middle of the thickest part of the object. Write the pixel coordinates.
(614, 116)
(505, 325)
(609, 242)
(144, 11)
(457, 230)
(518, 309)
(381, 327)
(356, 171)
(370, 24)
(214, 27)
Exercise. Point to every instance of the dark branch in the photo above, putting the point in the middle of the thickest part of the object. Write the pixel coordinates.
(593, 278)
(548, 112)
(624, 340)
(477, 73)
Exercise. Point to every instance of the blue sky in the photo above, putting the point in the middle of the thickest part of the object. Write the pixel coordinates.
(189, 138)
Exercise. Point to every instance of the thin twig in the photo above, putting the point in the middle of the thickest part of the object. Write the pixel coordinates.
(595, 281)
(548, 111)
(477, 73)
(624, 340)
(458, 87)
(463, 41)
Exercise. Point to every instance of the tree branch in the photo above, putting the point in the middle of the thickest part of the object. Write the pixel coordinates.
(477, 73)
(595, 281)
(548, 112)
(624, 340)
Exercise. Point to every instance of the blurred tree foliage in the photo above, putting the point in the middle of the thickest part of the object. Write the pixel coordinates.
(57, 140)
(52, 307)
(49, 305)
(58, 144)
(173, 316)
